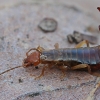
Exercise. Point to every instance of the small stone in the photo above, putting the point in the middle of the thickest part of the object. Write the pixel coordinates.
(34, 94)
(48, 25)
(70, 38)
(40, 85)
(20, 80)
(12, 82)
(27, 35)
(78, 37)
(36, 67)
(2, 38)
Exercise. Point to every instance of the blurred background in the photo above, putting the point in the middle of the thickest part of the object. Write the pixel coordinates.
(25, 24)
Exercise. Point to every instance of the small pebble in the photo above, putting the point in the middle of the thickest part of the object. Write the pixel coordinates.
(36, 67)
(78, 37)
(70, 38)
(34, 94)
(48, 25)
(27, 35)
(20, 80)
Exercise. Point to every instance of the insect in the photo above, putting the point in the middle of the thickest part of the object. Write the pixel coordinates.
(63, 58)
(73, 58)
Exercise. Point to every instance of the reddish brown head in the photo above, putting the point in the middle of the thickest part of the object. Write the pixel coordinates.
(32, 58)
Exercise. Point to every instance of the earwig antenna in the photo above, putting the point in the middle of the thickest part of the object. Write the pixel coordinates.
(10, 69)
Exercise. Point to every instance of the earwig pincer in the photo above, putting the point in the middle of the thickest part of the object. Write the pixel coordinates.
(74, 58)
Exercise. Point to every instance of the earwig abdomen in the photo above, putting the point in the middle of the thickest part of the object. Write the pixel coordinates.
(86, 55)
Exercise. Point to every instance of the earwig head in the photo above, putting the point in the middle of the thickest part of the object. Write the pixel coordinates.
(32, 59)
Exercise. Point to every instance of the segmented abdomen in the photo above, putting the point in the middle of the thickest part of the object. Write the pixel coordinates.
(87, 55)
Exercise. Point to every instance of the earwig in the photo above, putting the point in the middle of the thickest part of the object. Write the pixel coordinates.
(73, 58)
(64, 58)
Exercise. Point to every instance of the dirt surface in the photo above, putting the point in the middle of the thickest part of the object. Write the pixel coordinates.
(19, 32)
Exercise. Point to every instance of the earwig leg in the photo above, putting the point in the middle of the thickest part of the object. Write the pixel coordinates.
(63, 69)
(40, 48)
(82, 43)
(63, 74)
(56, 46)
(82, 66)
(42, 73)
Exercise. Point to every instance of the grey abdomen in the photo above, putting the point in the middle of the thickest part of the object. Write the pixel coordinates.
(84, 55)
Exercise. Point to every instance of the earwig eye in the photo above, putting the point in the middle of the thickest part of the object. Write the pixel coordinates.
(43, 57)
